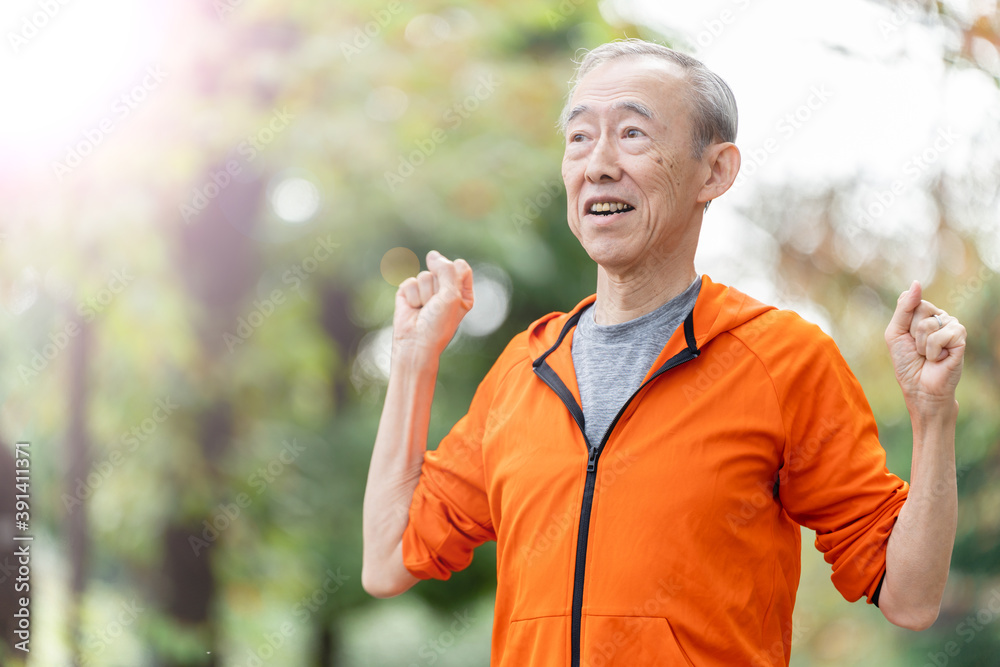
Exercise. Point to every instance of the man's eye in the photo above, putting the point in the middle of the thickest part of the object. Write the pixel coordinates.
(633, 133)
(576, 138)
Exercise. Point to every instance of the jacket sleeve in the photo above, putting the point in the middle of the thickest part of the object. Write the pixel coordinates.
(450, 514)
(834, 478)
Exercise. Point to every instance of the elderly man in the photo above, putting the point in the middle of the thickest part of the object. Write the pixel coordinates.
(645, 460)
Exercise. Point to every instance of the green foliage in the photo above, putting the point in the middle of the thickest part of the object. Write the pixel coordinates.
(433, 129)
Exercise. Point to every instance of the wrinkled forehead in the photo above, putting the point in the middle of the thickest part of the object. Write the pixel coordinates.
(655, 83)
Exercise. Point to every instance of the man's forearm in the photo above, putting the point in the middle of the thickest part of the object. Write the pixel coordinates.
(919, 550)
(395, 468)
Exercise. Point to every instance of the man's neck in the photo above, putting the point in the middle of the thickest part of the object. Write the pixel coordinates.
(626, 296)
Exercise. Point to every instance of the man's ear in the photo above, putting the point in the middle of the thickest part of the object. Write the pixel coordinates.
(723, 160)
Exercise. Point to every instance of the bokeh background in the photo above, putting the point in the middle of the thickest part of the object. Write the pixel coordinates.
(206, 205)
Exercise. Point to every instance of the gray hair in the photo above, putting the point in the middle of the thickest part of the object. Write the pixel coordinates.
(713, 105)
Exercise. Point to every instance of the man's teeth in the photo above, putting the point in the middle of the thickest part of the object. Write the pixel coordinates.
(611, 207)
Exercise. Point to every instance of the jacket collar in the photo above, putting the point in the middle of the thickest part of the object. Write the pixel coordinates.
(718, 309)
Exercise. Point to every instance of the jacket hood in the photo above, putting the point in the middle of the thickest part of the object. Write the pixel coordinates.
(719, 308)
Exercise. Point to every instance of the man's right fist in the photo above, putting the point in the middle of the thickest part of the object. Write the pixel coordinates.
(430, 306)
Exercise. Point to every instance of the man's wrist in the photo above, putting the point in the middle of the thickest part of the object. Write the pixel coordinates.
(933, 410)
(933, 419)
(413, 358)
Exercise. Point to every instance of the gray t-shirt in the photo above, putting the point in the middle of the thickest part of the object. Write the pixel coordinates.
(611, 360)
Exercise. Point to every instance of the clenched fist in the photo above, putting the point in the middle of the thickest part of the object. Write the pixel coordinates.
(430, 306)
(927, 346)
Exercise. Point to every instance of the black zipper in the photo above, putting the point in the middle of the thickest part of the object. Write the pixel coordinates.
(549, 376)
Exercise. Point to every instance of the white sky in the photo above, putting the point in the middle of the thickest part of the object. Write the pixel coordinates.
(64, 64)
(890, 92)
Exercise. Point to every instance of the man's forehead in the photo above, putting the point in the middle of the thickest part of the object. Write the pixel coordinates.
(628, 84)
(636, 67)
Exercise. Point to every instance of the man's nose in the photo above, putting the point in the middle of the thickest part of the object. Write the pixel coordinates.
(603, 162)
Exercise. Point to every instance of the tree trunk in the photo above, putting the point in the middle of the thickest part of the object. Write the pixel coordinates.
(78, 455)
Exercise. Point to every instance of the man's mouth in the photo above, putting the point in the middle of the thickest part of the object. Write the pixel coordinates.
(609, 208)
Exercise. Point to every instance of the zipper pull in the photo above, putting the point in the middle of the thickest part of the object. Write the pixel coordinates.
(592, 460)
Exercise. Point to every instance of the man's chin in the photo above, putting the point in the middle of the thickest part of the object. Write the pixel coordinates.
(609, 257)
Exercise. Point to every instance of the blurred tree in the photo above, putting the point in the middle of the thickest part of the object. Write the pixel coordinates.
(258, 313)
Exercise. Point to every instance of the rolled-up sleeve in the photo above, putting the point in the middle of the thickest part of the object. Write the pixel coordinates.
(834, 478)
(450, 513)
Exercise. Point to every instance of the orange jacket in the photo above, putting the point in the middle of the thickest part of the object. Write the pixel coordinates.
(676, 540)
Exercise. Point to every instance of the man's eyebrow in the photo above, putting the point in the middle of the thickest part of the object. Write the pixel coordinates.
(576, 111)
(627, 105)
(634, 107)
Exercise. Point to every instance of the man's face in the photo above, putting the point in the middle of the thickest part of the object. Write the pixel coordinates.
(629, 146)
